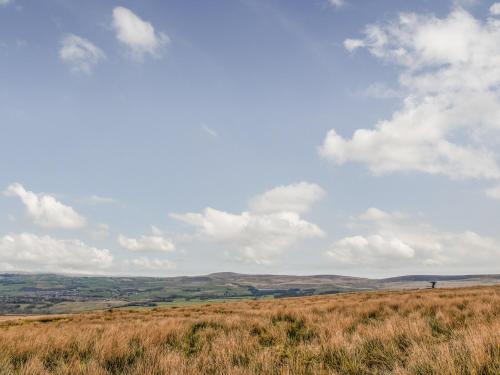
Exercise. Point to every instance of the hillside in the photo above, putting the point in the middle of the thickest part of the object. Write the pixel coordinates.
(440, 331)
(46, 293)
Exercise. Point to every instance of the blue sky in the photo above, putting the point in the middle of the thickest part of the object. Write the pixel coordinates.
(181, 137)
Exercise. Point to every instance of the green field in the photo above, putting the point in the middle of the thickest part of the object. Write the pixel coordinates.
(47, 293)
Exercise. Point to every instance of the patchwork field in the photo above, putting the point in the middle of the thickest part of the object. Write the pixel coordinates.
(36, 294)
(440, 331)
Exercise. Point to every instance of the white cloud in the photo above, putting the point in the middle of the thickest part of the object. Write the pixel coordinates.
(97, 200)
(29, 252)
(336, 3)
(374, 214)
(209, 131)
(151, 264)
(100, 231)
(449, 122)
(493, 192)
(380, 91)
(297, 198)
(465, 3)
(257, 237)
(154, 242)
(270, 228)
(80, 54)
(138, 35)
(5, 2)
(360, 249)
(495, 9)
(397, 241)
(45, 210)
(353, 44)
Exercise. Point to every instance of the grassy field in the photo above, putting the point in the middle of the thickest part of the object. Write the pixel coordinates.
(440, 331)
(55, 294)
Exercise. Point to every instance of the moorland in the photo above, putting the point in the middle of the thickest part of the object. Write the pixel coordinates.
(419, 331)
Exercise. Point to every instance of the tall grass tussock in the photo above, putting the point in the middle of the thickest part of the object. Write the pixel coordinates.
(440, 331)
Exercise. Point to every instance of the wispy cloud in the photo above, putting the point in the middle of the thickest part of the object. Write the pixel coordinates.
(495, 9)
(80, 54)
(209, 131)
(381, 91)
(493, 192)
(98, 200)
(337, 3)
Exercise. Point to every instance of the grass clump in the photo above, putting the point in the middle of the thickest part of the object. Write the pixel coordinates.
(193, 343)
(296, 329)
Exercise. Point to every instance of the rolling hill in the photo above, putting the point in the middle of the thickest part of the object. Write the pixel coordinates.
(50, 293)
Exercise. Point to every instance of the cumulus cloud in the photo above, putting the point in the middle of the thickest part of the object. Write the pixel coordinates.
(394, 240)
(362, 249)
(449, 121)
(154, 242)
(45, 210)
(29, 252)
(80, 54)
(297, 198)
(272, 226)
(256, 237)
(138, 35)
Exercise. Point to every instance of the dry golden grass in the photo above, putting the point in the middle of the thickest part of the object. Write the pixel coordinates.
(441, 331)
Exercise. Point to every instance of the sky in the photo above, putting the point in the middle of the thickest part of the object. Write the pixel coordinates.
(179, 137)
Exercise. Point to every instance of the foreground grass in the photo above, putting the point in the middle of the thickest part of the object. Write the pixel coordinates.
(441, 331)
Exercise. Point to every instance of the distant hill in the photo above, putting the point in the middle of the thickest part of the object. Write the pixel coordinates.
(441, 278)
(22, 293)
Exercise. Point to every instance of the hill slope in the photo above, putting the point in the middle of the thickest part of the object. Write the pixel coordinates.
(40, 293)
